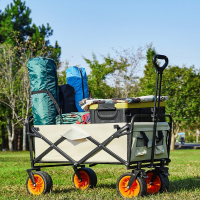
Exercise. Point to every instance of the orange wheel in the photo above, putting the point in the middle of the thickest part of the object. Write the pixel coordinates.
(156, 186)
(43, 183)
(138, 188)
(89, 179)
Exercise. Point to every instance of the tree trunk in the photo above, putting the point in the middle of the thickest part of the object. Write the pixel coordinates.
(3, 138)
(197, 135)
(172, 142)
(15, 140)
(24, 137)
(11, 133)
(19, 141)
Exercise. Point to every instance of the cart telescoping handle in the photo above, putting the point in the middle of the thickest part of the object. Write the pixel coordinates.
(162, 57)
(159, 71)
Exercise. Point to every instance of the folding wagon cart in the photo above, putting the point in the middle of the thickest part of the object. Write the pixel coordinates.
(136, 145)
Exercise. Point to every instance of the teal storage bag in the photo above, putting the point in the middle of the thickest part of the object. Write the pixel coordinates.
(43, 77)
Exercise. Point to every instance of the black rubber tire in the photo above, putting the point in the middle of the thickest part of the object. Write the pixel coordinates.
(164, 181)
(48, 183)
(92, 177)
(141, 181)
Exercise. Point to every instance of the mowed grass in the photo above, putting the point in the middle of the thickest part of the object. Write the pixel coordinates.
(184, 178)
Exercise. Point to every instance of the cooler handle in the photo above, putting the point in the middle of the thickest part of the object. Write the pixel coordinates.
(107, 117)
(112, 109)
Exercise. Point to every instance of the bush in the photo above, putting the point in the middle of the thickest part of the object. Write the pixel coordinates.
(190, 138)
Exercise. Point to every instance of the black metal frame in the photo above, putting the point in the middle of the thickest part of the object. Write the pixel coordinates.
(125, 130)
(137, 166)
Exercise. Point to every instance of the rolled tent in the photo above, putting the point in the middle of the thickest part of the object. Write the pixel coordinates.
(43, 77)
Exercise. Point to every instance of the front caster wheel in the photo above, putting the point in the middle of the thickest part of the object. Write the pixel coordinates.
(43, 182)
(138, 188)
(89, 179)
(160, 184)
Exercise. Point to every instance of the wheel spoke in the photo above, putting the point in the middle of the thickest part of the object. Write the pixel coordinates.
(155, 187)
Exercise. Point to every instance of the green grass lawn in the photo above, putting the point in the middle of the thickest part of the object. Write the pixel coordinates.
(184, 178)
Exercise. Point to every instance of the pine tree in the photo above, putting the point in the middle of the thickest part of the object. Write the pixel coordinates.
(16, 19)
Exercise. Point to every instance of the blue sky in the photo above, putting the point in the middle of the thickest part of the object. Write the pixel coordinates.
(85, 26)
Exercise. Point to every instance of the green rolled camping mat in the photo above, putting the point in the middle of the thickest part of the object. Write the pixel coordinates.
(43, 81)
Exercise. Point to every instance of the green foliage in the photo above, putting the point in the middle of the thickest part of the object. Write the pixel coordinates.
(99, 72)
(61, 77)
(16, 19)
(190, 138)
(182, 86)
(148, 82)
(20, 41)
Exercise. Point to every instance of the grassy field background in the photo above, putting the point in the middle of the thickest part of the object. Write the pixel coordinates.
(184, 178)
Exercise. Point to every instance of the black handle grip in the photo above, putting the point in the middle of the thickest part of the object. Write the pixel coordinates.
(108, 109)
(162, 57)
(107, 117)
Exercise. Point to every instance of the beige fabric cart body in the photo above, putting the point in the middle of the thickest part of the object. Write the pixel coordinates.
(76, 144)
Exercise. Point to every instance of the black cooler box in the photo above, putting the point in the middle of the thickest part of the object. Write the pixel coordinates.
(123, 112)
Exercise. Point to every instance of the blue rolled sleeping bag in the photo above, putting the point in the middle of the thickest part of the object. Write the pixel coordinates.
(44, 88)
(77, 78)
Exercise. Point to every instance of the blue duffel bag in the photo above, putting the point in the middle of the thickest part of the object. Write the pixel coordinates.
(77, 78)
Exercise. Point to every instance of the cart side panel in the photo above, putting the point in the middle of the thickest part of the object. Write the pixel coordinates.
(77, 149)
(140, 151)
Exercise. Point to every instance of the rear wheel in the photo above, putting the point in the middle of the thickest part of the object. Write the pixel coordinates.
(43, 182)
(89, 179)
(93, 176)
(165, 183)
(160, 184)
(138, 188)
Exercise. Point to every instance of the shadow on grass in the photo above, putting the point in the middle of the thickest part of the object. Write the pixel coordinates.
(187, 184)
(56, 191)
(184, 184)
(108, 186)
(112, 185)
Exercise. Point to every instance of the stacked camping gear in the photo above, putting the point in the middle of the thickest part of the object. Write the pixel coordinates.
(141, 139)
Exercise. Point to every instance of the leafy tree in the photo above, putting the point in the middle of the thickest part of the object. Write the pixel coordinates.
(15, 84)
(181, 85)
(99, 72)
(148, 82)
(21, 41)
(3, 112)
(125, 79)
(61, 73)
(16, 17)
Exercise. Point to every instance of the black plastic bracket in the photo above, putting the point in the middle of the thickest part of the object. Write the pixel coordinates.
(155, 174)
(92, 165)
(30, 174)
(164, 171)
(134, 175)
(120, 130)
(77, 173)
(116, 126)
